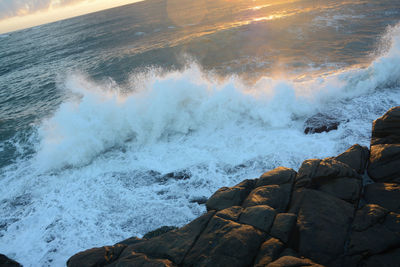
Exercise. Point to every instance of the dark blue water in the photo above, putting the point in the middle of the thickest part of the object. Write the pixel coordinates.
(93, 107)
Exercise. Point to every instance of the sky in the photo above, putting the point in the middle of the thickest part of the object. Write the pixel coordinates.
(20, 14)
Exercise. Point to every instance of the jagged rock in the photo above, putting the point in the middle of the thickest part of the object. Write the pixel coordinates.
(387, 259)
(356, 157)
(322, 224)
(347, 189)
(280, 175)
(283, 226)
(386, 129)
(130, 241)
(261, 217)
(159, 231)
(231, 213)
(227, 197)
(386, 195)
(268, 252)
(172, 245)
(225, 243)
(320, 123)
(384, 162)
(290, 261)
(315, 172)
(140, 259)
(7, 262)
(275, 196)
(368, 216)
(177, 175)
(96, 256)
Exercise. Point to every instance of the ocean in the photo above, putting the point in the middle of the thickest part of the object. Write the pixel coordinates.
(118, 122)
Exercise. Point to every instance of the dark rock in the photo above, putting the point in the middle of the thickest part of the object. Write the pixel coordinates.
(227, 197)
(225, 243)
(139, 259)
(283, 226)
(289, 261)
(159, 231)
(275, 196)
(322, 224)
(392, 222)
(231, 213)
(261, 217)
(289, 252)
(172, 245)
(387, 259)
(384, 162)
(315, 172)
(386, 195)
(199, 200)
(7, 262)
(347, 189)
(386, 129)
(268, 252)
(130, 241)
(356, 157)
(96, 256)
(280, 175)
(368, 216)
(176, 175)
(320, 123)
(374, 240)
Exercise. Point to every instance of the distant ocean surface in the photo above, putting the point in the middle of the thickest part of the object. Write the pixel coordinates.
(115, 123)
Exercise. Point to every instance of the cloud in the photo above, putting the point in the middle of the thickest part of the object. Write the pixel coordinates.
(12, 8)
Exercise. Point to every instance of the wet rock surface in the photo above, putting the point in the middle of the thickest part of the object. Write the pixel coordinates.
(322, 215)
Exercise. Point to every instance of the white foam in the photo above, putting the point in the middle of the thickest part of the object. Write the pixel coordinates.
(89, 182)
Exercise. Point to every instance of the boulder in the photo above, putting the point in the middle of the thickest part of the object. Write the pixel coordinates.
(96, 256)
(225, 243)
(261, 217)
(322, 224)
(315, 172)
(290, 261)
(280, 175)
(347, 189)
(231, 213)
(388, 259)
(368, 216)
(386, 129)
(268, 252)
(386, 195)
(7, 262)
(283, 226)
(320, 123)
(226, 197)
(384, 162)
(139, 259)
(172, 245)
(159, 231)
(275, 196)
(356, 157)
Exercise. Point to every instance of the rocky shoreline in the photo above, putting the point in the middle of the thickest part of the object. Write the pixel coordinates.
(339, 211)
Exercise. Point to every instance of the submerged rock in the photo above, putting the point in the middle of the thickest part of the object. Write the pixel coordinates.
(7, 262)
(320, 123)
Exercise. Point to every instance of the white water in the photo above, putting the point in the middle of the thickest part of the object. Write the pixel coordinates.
(89, 182)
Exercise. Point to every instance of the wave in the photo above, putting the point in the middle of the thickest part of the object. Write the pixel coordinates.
(160, 107)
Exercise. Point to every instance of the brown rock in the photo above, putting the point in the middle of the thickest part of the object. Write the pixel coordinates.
(347, 189)
(280, 175)
(139, 259)
(231, 213)
(322, 224)
(283, 226)
(356, 157)
(261, 217)
(388, 259)
(290, 261)
(226, 197)
(172, 245)
(368, 216)
(386, 195)
(386, 129)
(269, 251)
(314, 172)
(275, 196)
(384, 162)
(225, 243)
(96, 256)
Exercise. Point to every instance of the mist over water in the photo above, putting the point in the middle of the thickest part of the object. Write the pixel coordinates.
(107, 104)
